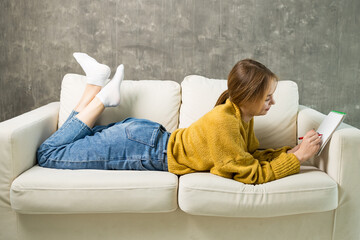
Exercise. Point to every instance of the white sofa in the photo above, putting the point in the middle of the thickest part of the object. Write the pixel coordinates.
(321, 202)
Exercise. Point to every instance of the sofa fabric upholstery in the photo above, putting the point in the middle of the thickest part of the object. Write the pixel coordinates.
(37, 203)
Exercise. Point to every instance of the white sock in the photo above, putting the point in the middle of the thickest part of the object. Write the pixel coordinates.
(110, 94)
(96, 73)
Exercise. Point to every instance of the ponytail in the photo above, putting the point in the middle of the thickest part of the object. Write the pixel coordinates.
(222, 98)
(247, 82)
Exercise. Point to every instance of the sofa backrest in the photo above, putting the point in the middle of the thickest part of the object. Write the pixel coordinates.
(155, 100)
(276, 129)
(173, 106)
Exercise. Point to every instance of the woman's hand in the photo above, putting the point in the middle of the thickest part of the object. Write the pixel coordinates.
(309, 146)
(294, 149)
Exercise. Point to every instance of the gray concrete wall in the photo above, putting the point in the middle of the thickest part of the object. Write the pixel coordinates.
(315, 43)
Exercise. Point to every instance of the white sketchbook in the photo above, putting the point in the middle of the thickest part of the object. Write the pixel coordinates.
(328, 127)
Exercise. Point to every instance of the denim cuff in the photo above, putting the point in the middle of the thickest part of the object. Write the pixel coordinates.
(81, 123)
(73, 114)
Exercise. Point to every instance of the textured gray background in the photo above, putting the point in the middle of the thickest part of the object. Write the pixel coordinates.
(315, 43)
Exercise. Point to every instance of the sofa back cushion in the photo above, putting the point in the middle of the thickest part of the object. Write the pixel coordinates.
(276, 129)
(156, 100)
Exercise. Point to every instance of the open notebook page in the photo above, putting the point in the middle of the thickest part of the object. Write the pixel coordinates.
(328, 126)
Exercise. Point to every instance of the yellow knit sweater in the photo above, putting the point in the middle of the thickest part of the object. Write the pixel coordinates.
(220, 142)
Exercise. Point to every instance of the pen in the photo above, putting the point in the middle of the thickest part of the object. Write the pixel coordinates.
(301, 138)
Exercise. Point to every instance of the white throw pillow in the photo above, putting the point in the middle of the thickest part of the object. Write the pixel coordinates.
(274, 130)
(156, 100)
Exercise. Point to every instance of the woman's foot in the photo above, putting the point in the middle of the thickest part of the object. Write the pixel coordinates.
(110, 94)
(96, 73)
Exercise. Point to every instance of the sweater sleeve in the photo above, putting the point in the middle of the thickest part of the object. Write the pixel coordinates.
(241, 165)
(249, 170)
(269, 154)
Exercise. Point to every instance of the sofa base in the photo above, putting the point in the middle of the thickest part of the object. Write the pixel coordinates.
(175, 225)
(8, 224)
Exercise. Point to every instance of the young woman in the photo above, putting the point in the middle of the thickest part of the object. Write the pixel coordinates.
(222, 141)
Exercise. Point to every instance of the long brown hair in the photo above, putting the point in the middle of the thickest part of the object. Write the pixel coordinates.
(247, 81)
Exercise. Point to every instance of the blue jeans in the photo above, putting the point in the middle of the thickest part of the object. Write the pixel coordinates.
(132, 144)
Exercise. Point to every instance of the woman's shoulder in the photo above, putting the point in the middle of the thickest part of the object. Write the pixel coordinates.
(222, 114)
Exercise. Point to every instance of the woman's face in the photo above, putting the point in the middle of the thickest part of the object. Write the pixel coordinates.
(262, 106)
(269, 100)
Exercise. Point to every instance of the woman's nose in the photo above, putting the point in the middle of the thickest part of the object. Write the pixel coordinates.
(272, 102)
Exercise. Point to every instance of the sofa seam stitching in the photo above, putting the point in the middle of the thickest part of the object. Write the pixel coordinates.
(88, 189)
(260, 193)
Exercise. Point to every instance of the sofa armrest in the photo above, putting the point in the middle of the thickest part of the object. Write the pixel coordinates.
(307, 119)
(340, 159)
(342, 162)
(19, 139)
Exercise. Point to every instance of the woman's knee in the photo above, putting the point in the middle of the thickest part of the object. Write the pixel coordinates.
(42, 154)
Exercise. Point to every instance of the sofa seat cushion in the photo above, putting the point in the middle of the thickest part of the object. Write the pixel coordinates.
(45, 191)
(309, 191)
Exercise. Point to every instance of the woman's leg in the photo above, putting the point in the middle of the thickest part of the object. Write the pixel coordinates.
(109, 96)
(88, 95)
(133, 144)
(96, 75)
(90, 108)
(59, 147)
(91, 112)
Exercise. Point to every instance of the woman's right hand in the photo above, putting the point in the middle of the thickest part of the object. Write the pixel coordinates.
(309, 146)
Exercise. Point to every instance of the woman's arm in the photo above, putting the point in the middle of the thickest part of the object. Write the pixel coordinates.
(247, 169)
(304, 151)
(268, 165)
(270, 154)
